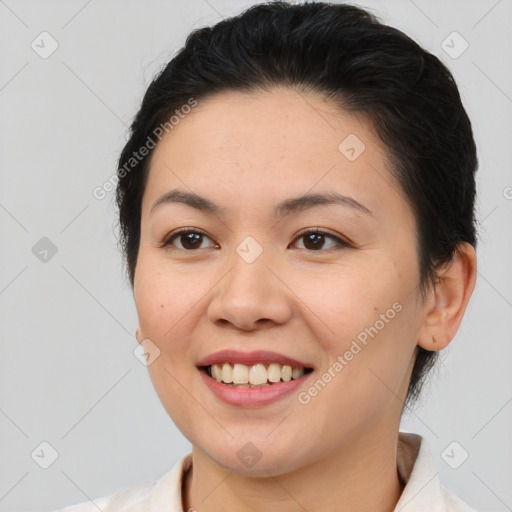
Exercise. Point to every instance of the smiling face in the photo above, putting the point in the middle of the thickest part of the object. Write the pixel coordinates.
(258, 279)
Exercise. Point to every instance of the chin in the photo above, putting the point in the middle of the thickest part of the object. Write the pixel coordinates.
(249, 460)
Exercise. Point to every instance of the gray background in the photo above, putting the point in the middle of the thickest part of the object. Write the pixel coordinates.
(67, 370)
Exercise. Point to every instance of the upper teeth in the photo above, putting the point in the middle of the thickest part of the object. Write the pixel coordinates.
(255, 374)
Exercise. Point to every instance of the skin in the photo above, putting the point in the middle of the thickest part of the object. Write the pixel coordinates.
(337, 452)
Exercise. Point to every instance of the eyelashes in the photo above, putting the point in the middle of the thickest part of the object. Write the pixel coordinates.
(191, 237)
(168, 242)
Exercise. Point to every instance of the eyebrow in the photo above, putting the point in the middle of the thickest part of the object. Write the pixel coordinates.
(286, 207)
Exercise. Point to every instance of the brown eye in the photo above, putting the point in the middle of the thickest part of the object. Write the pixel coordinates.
(314, 240)
(189, 239)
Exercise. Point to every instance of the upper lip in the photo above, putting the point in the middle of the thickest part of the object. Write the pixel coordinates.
(251, 358)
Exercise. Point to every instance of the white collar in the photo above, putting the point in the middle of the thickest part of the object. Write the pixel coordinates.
(423, 491)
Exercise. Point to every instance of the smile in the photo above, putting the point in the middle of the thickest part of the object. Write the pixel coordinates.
(246, 394)
(256, 375)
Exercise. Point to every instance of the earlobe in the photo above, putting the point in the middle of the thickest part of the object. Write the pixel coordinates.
(447, 302)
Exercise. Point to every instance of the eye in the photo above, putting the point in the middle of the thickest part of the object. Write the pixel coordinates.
(190, 239)
(315, 240)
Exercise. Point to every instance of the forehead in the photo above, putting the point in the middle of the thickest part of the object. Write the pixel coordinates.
(268, 146)
(279, 122)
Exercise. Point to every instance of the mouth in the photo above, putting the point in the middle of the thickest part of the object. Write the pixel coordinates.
(259, 375)
(253, 379)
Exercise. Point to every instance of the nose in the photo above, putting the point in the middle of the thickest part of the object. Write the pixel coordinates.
(250, 296)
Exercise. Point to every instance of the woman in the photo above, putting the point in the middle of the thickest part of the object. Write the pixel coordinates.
(296, 204)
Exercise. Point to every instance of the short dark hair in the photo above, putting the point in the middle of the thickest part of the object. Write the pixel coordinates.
(364, 66)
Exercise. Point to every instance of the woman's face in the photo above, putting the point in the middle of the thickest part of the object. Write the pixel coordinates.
(344, 303)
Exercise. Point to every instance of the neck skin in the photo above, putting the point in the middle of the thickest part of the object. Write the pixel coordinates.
(362, 476)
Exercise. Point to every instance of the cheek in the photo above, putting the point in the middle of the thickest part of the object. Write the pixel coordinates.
(168, 304)
(165, 301)
(367, 330)
(346, 303)
(363, 380)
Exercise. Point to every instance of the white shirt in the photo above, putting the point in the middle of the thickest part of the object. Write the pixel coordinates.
(423, 491)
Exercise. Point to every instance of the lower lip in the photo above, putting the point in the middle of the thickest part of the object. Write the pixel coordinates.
(247, 397)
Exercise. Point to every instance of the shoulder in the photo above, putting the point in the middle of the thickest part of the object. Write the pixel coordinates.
(161, 495)
(423, 490)
(130, 499)
(453, 503)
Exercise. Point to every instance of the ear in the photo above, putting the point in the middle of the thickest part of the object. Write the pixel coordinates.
(138, 335)
(447, 302)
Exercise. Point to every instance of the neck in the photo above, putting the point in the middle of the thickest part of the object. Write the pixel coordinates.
(362, 476)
